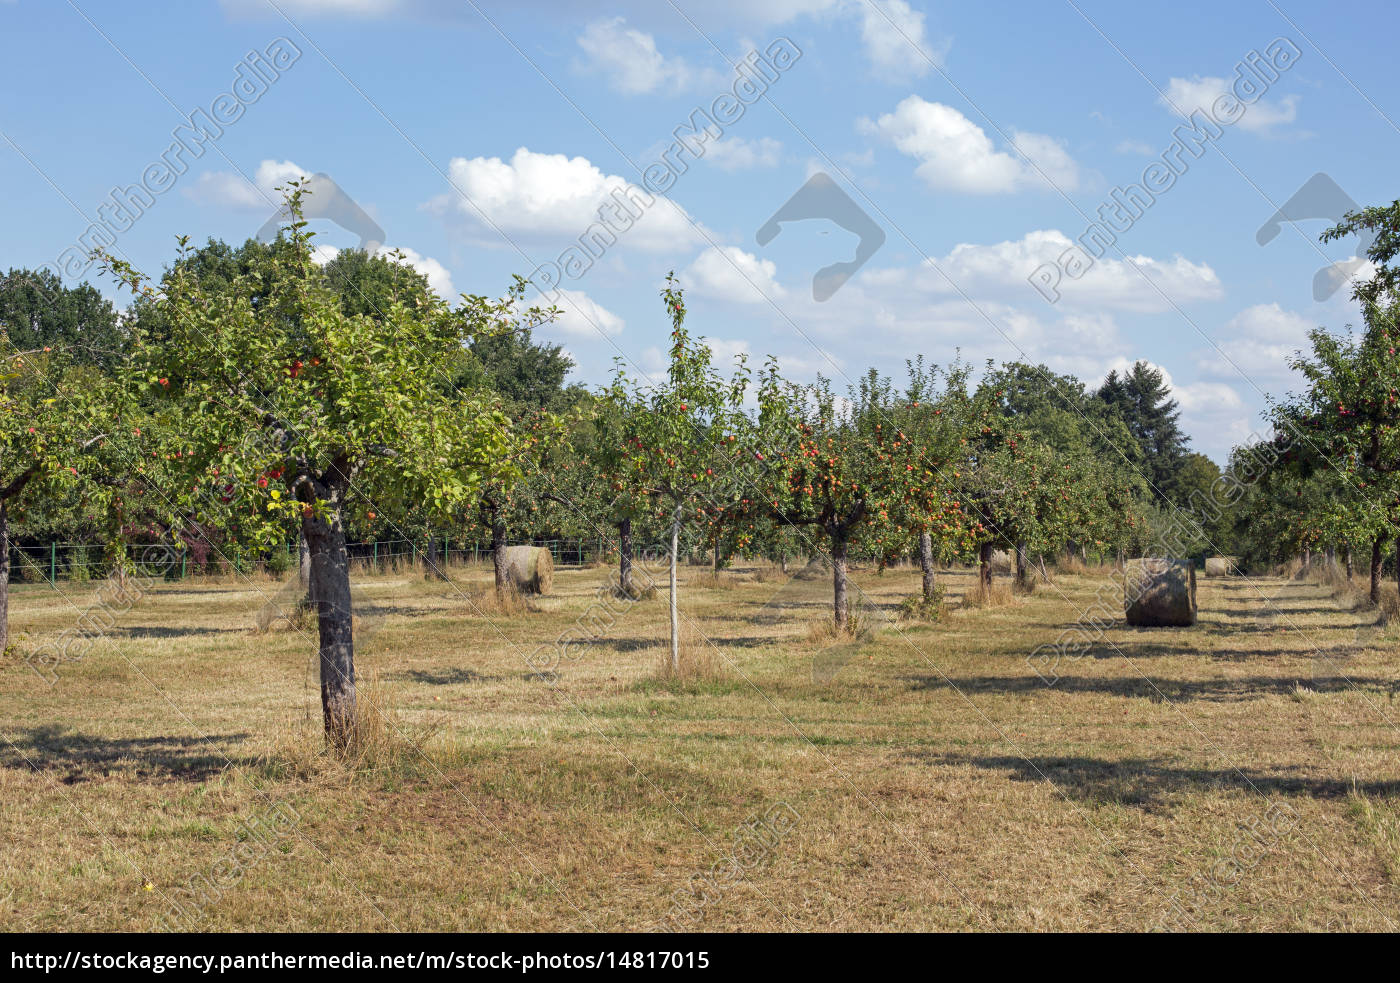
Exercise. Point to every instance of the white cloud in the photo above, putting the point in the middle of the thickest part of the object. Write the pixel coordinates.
(323, 254)
(583, 317)
(631, 62)
(1001, 270)
(1200, 92)
(1048, 160)
(725, 351)
(553, 199)
(230, 190)
(730, 273)
(738, 154)
(956, 154)
(1207, 397)
(1257, 343)
(894, 39)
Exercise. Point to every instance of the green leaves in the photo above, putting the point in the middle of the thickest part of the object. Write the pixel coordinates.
(1338, 476)
(274, 378)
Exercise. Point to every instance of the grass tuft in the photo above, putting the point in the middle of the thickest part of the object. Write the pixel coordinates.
(491, 603)
(997, 595)
(701, 663)
(920, 608)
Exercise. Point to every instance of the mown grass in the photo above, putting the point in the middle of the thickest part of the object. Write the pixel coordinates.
(937, 780)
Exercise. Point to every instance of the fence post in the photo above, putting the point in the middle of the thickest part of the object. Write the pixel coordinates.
(53, 562)
(184, 563)
(376, 556)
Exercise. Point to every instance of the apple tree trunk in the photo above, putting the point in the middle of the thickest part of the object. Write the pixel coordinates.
(926, 563)
(840, 600)
(330, 586)
(624, 556)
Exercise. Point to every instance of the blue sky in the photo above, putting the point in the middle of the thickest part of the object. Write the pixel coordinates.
(981, 138)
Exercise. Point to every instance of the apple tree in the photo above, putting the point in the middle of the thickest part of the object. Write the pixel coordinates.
(330, 415)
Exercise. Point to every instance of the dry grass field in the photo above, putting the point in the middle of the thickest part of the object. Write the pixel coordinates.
(1241, 774)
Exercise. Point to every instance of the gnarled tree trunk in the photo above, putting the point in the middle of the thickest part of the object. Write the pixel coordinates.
(330, 586)
(1022, 571)
(984, 560)
(838, 582)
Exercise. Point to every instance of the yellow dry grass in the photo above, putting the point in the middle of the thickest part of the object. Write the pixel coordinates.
(937, 780)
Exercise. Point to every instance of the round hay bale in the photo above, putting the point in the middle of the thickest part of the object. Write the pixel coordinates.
(529, 569)
(1001, 561)
(1221, 566)
(1160, 593)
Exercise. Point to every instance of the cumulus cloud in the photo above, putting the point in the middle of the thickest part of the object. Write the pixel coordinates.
(955, 154)
(583, 317)
(1000, 271)
(732, 274)
(1257, 343)
(893, 35)
(631, 62)
(738, 154)
(1200, 92)
(553, 199)
(230, 190)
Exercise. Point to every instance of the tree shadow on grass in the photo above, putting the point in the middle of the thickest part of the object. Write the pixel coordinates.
(1152, 783)
(81, 757)
(164, 631)
(661, 641)
(450, 677)
(1155, 689)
